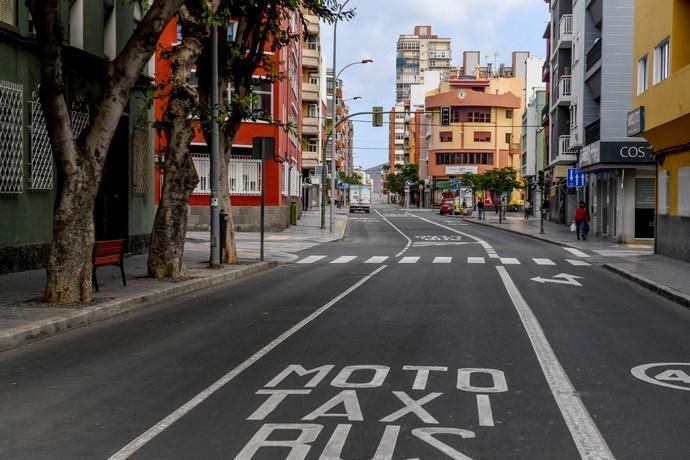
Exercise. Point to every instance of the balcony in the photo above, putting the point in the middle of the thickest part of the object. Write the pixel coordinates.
(310, 126)
(312, 22)
(564, 146)
(565, 31)
(594, 54)
(514, 148)
(310, 92)
(564, 90)
(311, 58)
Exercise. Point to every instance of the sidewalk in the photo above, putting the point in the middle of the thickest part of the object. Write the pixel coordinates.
(636, 262)
(23, 318)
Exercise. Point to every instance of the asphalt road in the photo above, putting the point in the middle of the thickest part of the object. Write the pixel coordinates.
(415, 337)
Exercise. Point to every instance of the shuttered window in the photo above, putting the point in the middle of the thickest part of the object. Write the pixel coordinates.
(8, 12)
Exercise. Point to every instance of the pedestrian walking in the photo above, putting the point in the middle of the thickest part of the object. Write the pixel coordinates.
(527, 209)
(582, 219)
(545, 208)
(480, 209)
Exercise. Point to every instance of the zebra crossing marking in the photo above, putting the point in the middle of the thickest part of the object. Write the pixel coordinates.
(544, 262)
(409, 260)
(476, 260)
(578, 263)
(509, 261)
(343, 259)
(311, 259)
(576, 252)
(376, 260)
(442, 260)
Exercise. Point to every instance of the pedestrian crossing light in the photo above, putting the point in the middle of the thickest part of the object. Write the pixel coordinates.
(445, 116)
(377, 116)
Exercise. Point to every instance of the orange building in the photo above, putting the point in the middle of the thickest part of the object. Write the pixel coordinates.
(282, 100)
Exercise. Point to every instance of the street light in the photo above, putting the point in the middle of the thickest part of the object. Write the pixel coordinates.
(333, 133)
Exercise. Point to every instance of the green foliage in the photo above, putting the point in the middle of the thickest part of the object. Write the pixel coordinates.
(502, 180)
(353, 179)
(395, 182)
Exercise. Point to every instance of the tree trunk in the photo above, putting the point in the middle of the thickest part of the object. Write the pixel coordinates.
(230, 256)
(166, 256)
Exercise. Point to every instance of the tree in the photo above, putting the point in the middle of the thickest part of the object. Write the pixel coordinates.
(259, 28)
(79, 162)
(503, 180)
(353, 179)
(170, 225)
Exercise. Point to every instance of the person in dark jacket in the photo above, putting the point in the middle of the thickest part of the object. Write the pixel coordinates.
(582, 221)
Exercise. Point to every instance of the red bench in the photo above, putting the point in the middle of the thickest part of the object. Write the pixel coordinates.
(109, 252)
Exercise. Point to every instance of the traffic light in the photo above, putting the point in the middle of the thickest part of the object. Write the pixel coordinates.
(540, 179)
(377, 116)
(445, 116)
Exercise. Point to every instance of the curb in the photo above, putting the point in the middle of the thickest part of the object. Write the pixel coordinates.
(37, 330)
(653, 286)
(528, 235)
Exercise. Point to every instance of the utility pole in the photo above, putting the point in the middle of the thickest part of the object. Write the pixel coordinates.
(215, 154)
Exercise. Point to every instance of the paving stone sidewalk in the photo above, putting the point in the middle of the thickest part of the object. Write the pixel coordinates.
(24, 319)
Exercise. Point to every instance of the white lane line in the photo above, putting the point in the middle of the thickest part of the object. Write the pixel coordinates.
(494, 256)
(544, 262)
(476, 260)
(376, 260)
(588, 439)
(442, 260)
(408, 260)
(578, 262)
(486, 416)
(310, 259)
(343, 259)
(409, 241)
(509, 261)
(576, 252)
(161, 426)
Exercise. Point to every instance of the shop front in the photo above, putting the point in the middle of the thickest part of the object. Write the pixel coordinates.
(620, 189)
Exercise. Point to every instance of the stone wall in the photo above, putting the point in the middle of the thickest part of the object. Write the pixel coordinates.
(246, 218)
(23, 257)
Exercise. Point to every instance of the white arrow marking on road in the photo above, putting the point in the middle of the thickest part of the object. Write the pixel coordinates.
(562, 278)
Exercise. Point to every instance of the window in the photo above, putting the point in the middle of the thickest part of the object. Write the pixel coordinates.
(509, 113)
(662, 54)
(232, 30)
(313, 80)
(313, 43)
(684, 192)
(313, 145)
(478, 117)
(464, 158)
(509, 138)
(446, 136)
(642, 75)
(7, 12)
(482, 136)
(262, 96)
(313, 110)
(662, 190)
(399, 136)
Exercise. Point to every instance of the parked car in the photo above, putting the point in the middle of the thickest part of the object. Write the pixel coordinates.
(446, 207)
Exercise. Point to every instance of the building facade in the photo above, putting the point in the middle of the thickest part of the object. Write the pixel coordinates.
(281, 99)
(418, 53)
(532, 146)
(661, 113)
(313, 113)
(125, 208)
(476, 126)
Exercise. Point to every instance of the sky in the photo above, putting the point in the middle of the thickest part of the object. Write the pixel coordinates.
(489, 26)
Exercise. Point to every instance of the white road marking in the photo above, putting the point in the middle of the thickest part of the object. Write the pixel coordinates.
(494, 256)
(578, 263)
(475, 260)
(143, 439)
(509, 261)
(562, 278)
(486, 416)
(311, 259)
(442, 260)
(588, 439)
(576, 252)
(343, 259)
(487, 247)
(408, 260)
(376, 260)
(544, 262)
(409, 241)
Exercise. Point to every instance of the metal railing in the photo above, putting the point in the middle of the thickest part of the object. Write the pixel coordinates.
(564, 146)
(566, 28)
(565, 86)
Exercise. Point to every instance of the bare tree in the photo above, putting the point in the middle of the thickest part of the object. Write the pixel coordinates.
(170, 225)
(80, 161)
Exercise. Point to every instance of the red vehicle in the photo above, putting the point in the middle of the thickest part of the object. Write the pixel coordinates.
(446, 207)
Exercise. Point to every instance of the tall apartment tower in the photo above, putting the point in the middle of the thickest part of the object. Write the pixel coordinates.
(417, 53)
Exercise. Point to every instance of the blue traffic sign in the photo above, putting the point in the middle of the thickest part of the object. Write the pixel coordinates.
(576, 178)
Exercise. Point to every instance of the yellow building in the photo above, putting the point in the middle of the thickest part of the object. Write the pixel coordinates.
(661, 102)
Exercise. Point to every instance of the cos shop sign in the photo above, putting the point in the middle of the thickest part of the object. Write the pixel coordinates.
(635, 152)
